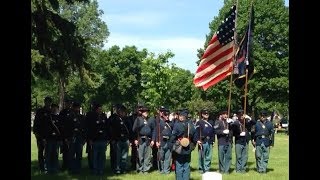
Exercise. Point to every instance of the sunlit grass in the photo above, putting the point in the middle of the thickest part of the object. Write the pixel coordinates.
(278, 167)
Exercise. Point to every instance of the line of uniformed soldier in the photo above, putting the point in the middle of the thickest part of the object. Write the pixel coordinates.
(172, 141)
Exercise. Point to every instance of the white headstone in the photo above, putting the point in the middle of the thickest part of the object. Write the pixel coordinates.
(211, 176)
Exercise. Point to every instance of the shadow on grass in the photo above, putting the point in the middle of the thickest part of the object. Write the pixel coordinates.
(269, 169)
(85, 173)
(250, 163)
(213, 167)
(255, 169)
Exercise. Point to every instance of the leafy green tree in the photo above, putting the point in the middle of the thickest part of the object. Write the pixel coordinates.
(64, 33)
(268, 88)
(155, 79)
(39, 91)
(180, 88)
(121, 73)
(196, 105)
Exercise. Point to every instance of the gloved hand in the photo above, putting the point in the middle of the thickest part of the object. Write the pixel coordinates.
(226, 131)
(247, 117)
(177, 143)
(199, 142)
(229, 120)
(242, 133)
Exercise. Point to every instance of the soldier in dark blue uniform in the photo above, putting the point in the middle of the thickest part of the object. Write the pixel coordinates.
(223, 129)
(98, 138)
(53, 136)
(184, 143)
(143, 139)
(65, 118)
(121, 132)
(175, 119)
(76, 128)
(263, 132)
(112, 151)
(41, 117)
(134, 148)
(205, 139)
(88, 145)
(163, 132)
(242, 132)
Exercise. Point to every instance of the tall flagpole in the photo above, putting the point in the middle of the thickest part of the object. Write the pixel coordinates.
(247, 64)
(234, 57)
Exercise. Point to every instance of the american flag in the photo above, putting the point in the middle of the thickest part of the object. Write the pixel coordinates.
(216, 62)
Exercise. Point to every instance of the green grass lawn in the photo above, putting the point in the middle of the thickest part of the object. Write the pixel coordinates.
(278, 167)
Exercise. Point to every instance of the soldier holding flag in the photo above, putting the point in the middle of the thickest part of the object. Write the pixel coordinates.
(224, 133)
(242, 132)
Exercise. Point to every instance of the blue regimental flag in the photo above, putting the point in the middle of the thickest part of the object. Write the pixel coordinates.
(244, 55)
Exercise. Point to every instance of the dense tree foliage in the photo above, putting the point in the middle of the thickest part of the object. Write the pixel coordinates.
(269, 86)
(63, 34)
(121, 72)
(68, 57)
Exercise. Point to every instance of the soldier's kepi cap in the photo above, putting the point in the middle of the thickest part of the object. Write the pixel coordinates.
(263, 113)
(240, 111)
(143, 108)
(204, 111)
(48, 99)
(76, 104)
(96, 105)
(54, 105)
(139, 106)
(163, 109)
(122, 108)
(223, 112)
(184, 113)
(67, 100)
(185, 109)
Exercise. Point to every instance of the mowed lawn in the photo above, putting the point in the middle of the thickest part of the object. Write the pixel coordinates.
(278, 167)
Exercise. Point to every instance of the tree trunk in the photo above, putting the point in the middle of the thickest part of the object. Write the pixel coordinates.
(62, 86)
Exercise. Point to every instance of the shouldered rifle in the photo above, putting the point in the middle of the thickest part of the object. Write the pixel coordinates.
(55, 127)
(158, 153)
(200, 144)
(137, 130)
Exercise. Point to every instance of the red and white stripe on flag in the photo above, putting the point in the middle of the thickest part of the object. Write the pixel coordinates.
(215, 65)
